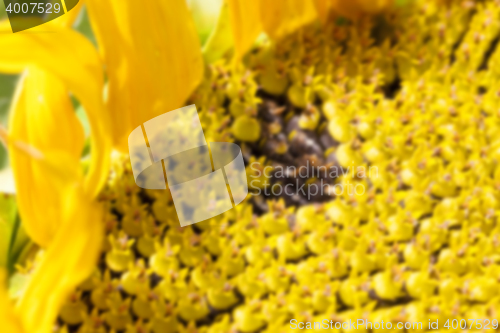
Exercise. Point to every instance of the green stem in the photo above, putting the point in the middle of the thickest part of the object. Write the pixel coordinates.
(10, 255)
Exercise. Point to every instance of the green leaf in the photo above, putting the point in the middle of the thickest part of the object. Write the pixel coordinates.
(4, 158)
(82, 25)
(19, 280)
(84, 120)
(7, 87)
(13, 238)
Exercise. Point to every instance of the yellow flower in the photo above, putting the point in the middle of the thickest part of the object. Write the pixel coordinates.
(426, 226)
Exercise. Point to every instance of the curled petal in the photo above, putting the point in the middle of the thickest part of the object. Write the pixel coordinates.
(72, 59)
(43, 121)
(67, 262)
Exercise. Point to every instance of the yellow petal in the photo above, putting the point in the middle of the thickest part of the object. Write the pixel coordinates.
(281, 17)
(245, 24)
(348, 9)
(42, 119)
(10, 321)
(67, 262)
(323, 8)
(153, 59)
(72, 59)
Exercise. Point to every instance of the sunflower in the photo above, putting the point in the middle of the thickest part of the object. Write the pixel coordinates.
(401, 97)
